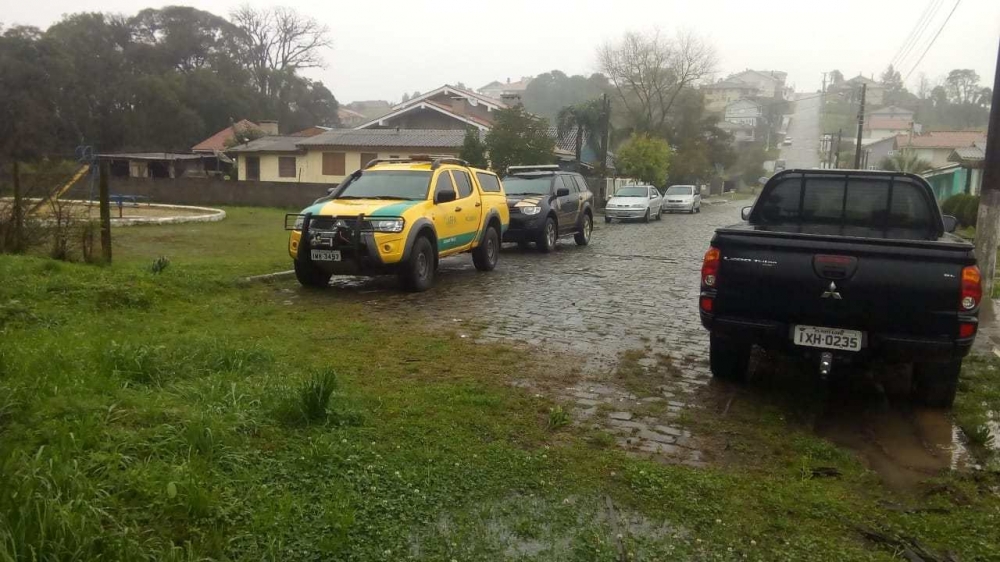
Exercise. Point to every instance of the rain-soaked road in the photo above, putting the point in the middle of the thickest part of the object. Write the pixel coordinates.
(625, 309)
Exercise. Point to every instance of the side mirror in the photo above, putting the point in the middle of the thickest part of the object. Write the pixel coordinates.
(444, 197)
(654, 196)
(950, 223)
(745, 213)
(562, 192)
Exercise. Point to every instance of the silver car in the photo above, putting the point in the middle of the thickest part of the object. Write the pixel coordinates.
(685, 198)
(634, 202)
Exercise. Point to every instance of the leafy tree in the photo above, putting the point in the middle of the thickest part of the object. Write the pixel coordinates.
(905, 161)
(243, 135)
(645, 158)
(518, 137)
(474, 149)
(406, 97)
(588, 120)
(28, 125)
(895, 91)
(649, 71)
(550, 92)
(962, 85)
(836, 77)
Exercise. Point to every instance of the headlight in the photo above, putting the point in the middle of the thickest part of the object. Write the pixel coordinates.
(300, 221)
(388, 225)
(639, 206)
(530, 210)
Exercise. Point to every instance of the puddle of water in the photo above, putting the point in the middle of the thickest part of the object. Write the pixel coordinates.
(904, 446)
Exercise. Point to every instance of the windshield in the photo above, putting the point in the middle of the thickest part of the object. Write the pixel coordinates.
(519, 185)
(680, 190)
(388, 184)
(632, 192)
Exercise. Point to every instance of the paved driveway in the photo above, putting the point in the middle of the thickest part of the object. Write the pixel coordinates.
(635, 283)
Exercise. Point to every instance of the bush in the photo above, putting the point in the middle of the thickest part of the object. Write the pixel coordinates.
(963, 207)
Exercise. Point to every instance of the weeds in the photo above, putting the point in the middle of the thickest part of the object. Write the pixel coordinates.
(159, 265)
(558, 418)
(311, 403)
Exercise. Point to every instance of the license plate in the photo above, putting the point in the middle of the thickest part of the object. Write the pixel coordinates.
(325, 255)
(827, 338)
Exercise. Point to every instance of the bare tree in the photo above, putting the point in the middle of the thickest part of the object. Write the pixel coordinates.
(649, 71)
(279, 41)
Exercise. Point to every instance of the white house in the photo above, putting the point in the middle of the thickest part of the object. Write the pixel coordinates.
(771, 83)
(746, 112)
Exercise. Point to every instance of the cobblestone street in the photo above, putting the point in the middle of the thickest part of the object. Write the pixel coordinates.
(626, 305)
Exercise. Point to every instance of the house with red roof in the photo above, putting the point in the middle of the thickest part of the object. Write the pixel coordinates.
(937, 146)
(447, 107)
(217, 143)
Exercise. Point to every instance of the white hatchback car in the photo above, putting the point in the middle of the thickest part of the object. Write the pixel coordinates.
(685, 198)
(634, 202)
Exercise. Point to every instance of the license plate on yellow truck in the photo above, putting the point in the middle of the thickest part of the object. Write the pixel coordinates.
(325, 255)
(827, 338)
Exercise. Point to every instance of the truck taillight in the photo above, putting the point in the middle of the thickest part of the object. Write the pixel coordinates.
(710, 267)
(972, 288)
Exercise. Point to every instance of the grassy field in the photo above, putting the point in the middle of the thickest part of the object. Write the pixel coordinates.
(182, 415)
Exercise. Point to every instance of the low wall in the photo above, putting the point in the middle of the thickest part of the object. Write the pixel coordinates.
(212, 192)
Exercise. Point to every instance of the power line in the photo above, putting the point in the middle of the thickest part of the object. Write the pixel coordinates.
(936, 35)
(916, 32)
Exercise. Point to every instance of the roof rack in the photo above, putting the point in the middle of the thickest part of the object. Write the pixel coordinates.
(436, 160)
(534, 168)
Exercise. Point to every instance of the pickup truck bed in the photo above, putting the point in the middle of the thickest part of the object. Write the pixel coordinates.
(842, 276)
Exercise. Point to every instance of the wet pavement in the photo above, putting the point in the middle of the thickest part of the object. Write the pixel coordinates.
(622, 312)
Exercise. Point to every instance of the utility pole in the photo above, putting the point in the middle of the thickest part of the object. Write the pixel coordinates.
(102, 183)
(988, 220)
(861, 126)
(830, 159)
(824, 83)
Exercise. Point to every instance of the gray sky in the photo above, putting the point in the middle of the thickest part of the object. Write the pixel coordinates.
(387, 47)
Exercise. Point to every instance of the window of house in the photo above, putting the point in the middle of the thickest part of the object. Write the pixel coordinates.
(333, 164)
(253, 168)
(286, 167)
(488, 182)
(367, 157)
(463, 183)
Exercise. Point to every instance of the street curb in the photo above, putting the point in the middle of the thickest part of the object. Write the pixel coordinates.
(279, 275)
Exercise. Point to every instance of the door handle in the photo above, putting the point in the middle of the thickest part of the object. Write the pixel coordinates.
(478, 204)
(457, 209)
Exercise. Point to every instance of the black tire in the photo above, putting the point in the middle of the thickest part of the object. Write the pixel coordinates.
(659, 214)
(698, 210)
(547, 237)
(311, 276)
(645, 217)
(935, 384)
(487, 253)
(417, 274)
(582, 237)
(607, 218)
(728, 359)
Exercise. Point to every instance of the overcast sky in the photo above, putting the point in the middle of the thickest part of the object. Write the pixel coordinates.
(384, 48)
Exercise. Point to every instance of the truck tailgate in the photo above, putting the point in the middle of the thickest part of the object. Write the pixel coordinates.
(905, 288)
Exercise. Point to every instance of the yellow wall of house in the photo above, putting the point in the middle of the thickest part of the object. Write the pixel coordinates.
(309, 166)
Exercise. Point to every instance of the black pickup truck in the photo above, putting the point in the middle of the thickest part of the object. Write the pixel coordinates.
(844, 267)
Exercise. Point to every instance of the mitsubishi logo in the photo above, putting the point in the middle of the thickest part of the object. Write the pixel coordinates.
(831, 292)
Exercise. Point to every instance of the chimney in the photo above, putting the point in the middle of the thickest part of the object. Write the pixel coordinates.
(269, 127)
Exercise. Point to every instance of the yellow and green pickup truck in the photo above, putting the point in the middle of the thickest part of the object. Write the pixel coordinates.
(400, 216)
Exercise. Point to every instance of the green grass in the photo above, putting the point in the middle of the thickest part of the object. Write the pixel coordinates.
(180, 415)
